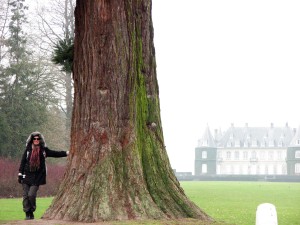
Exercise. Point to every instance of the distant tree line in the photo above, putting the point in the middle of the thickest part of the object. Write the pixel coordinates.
(35, 87)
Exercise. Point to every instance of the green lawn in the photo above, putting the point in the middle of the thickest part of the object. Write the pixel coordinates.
(11, 209)
(236, 202)
(231, 202)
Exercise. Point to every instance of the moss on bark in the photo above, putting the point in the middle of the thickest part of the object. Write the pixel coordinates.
(118, 168)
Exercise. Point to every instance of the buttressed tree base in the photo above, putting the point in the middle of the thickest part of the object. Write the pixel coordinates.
(118, 168)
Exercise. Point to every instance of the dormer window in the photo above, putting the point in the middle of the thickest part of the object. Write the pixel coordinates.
(280, 143)
(231, 136)
(298, 142)
(237, 143)
(271, 143)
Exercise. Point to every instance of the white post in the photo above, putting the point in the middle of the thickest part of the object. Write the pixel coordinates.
(266, 214)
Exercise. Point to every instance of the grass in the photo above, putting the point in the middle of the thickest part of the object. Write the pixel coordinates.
(231, 202)
(11, 209)
(236, 202)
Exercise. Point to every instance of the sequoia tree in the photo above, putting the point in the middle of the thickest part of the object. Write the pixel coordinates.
(118, 167)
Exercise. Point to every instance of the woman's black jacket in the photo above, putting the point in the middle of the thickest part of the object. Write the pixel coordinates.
(37, 177)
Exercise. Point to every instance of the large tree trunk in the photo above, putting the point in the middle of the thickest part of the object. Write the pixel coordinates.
(118, 168)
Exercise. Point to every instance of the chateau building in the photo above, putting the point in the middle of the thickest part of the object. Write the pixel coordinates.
(249, 151)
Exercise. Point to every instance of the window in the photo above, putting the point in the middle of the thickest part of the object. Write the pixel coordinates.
(271, 143)
(271, 155)
(253, 154)
(258, 169)
(266, 170)
(236, 169)
(281, 141)
(228, 155)
(275, 169)
(297, 154)
(253, 169)
(245, 155)
(241, 169)
(245, 169)
(231, 169)
(204, 168)
(279, 155)
(236, 155)
(227, 170)
(280, 169)
(254, 143)
(262, 155)
(297, 168)
(204, 155)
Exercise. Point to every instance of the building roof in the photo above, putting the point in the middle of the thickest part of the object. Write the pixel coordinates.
(207, 139)
(246, 136)
(296, 139)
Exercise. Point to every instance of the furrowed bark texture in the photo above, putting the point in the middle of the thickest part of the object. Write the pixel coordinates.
(118, 168)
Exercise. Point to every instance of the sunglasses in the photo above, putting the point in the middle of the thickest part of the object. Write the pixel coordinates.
(36, 139)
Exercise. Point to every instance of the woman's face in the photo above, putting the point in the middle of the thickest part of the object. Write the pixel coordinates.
(36, 140)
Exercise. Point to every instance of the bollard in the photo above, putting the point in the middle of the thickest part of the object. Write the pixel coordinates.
(266, 214)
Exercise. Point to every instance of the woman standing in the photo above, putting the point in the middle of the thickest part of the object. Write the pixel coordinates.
(32, 171)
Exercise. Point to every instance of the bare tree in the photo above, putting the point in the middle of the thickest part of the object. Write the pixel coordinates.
(118, 168)
(55, 23)
(4, 20)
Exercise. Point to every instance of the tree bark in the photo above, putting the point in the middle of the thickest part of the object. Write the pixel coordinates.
(118, 168)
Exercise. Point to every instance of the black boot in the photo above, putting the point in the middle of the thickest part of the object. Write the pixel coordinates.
(31, 215)
(27, 216)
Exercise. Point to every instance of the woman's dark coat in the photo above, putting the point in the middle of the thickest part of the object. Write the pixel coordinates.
(37, 177)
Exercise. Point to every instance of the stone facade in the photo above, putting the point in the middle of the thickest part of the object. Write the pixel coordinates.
(249, 151)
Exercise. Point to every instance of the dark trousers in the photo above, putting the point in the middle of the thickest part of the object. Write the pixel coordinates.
(29, 197)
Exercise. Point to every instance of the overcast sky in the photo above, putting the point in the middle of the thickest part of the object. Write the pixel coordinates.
(221, 62)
